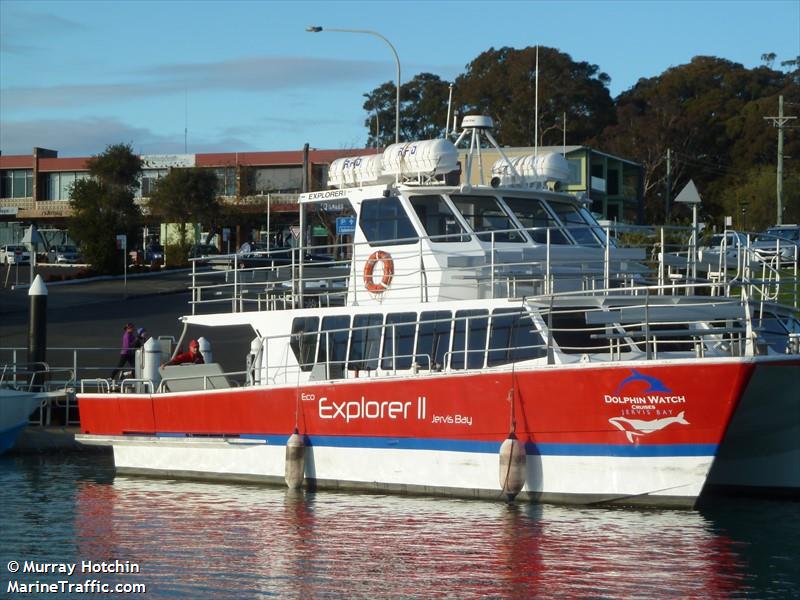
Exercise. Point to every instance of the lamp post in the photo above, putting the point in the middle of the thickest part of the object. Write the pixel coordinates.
(316, 29)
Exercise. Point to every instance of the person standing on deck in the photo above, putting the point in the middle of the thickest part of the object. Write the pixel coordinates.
(126, 353)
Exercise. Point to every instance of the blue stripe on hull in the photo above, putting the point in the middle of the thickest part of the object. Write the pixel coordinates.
(9, 436)
(532, 449)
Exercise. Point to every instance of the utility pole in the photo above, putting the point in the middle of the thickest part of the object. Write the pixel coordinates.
(669, 188)
(780, 123)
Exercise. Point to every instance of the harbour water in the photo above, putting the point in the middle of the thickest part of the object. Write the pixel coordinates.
(209, 540)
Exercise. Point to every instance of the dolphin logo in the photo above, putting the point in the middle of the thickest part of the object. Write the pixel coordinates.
(655, 384)
(636, 427)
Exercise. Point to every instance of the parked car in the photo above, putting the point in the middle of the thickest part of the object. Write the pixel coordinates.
(733, 243)
(65, 255)
(780, 238)
(199, 250)
(14, 254)
(154, 253)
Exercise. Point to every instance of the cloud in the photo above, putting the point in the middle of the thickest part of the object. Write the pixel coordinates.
(87, 137)
(25, 26)
(259, 74)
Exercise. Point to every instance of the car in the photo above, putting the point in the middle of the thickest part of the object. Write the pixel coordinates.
(731, 242)
(14, 254)
(64, 255)
(780, 238)
(200, 250)
(154, 253)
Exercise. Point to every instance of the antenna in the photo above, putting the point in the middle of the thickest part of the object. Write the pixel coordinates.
(186, 121)
(536, 107)
(449, 106)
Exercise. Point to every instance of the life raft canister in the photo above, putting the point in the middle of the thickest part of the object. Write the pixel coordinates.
(388, 272)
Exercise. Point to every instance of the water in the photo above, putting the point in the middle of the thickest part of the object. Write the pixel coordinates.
(207, 540)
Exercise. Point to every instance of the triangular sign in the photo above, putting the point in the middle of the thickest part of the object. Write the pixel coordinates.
(689, 194)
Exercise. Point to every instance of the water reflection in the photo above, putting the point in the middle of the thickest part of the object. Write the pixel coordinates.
(236, 541)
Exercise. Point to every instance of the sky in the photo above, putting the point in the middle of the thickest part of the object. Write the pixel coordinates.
(169, 77)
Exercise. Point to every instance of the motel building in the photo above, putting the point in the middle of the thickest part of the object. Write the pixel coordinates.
(263, 188)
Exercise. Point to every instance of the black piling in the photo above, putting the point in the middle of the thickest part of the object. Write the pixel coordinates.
(37, 324)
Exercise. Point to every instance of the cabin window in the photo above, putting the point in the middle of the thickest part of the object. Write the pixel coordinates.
(469, 336)
(536, 219)
(513, 337)
(334, 336)
(572, 334)
(439, 221)
(365, 343)
(485, 214)
(433, 339)
(304, 341)
(384, 222)
(578, 228)
(398, 341)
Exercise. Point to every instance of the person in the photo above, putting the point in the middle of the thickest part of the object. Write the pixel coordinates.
(126, 353)
(141, 337)
(193, 356)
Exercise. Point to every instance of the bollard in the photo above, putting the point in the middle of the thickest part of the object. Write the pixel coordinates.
(151, 362)
(37, 324)
(205, 350)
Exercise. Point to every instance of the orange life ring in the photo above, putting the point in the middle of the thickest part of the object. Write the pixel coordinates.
(388, 272)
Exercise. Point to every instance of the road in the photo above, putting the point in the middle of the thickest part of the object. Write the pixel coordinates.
(92, 313)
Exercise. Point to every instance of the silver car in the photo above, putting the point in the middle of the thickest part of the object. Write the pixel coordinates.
(14, 254)
(783, 239)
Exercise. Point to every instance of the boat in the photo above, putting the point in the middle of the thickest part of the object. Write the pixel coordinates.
(488, 341)
(15, 408)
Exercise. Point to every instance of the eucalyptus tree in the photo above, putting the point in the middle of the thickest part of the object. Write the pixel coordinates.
(103, 207)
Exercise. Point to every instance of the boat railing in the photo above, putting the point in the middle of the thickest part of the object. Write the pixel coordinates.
(634, 255)
(645, 327)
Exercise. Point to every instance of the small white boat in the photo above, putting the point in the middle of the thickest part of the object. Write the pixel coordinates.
(16, 406)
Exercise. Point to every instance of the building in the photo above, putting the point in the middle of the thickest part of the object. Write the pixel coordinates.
(263, 186)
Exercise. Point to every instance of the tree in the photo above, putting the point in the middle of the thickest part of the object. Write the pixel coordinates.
(103, 206)
(186, 196)
(708, 113)
(502, 84)
(423, 110)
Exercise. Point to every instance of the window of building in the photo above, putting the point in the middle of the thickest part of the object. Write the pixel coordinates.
(384, 221)
(536, 219)
(433, 338)
(275, 180)
(365, 343)
(148, 181)
(16, 183)
(513, 337)
(438, 219)
(58, 186)
(398, 341)
(469, 335)
(485, 214)
(304, 341)
(226, 181)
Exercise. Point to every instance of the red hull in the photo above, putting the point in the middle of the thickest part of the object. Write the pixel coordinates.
(688, 404)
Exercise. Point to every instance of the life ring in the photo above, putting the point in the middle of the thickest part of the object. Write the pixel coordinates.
(388, 272)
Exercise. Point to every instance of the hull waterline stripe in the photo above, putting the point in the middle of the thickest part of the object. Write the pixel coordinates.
(481, 447)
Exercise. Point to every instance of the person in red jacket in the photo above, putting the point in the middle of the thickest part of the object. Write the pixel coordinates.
(193, 356)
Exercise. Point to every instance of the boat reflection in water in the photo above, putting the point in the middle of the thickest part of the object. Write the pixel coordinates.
(203, 540)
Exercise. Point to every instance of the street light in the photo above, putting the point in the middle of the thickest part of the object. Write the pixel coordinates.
(317, 29)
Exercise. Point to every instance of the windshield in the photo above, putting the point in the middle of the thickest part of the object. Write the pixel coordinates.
(536, 219)
(577, 227)
(786, 234)
(485, 214)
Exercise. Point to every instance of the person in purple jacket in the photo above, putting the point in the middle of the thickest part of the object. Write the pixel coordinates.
(126, 353)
